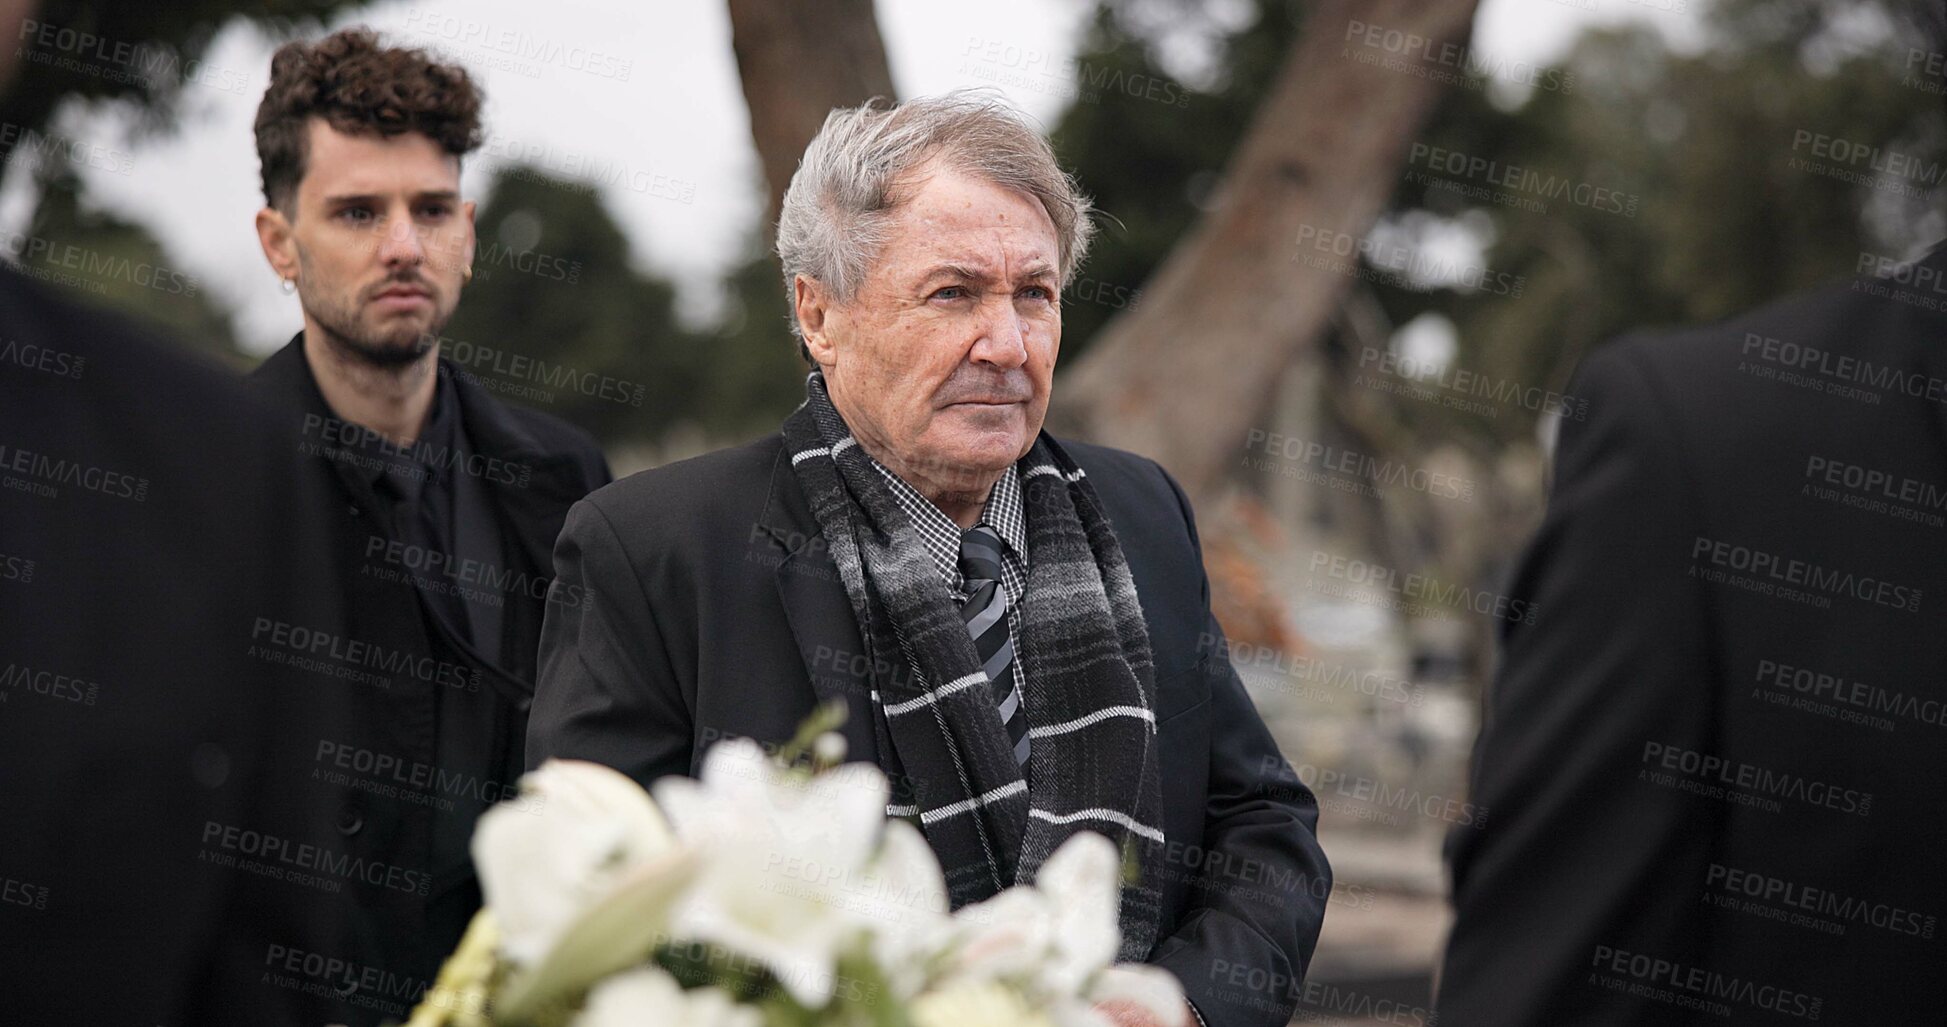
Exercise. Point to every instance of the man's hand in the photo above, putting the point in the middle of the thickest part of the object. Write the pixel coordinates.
(1129, 1013)
(1139, 995)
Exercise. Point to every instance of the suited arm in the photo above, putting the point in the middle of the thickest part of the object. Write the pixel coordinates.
(606, 690)
(1578, 851)
(1242, 950)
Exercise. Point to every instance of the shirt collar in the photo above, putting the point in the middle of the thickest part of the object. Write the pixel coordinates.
(1004, 513)
(411, 468)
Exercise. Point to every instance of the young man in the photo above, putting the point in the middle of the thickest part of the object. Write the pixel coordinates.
(448, 502)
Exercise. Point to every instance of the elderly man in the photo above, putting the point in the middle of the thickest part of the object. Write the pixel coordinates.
(1018, 627)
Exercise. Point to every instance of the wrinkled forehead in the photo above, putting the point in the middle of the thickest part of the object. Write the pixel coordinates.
(950, 219)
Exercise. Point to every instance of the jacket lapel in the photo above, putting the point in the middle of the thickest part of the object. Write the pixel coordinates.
(540, 483)
(819, 613)
(532, 487)
(284, 374)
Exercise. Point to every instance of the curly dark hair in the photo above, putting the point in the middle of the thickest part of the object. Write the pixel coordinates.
(359, 87)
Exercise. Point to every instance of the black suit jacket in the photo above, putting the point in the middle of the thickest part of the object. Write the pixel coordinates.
(149, 520)
(534, 467)
(716, 612)
(1712, 766)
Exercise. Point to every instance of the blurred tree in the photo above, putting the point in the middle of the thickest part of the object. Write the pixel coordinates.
(1650, 186)
(757, 375)
(1236, 283)
(1151, 167)
(1686, 186)
(797, 61)
(557, 318)
(120, 265)
(144, 54)
(138, 58)
(1665, 187)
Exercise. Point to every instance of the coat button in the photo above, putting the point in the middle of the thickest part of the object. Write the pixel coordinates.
(350, 824)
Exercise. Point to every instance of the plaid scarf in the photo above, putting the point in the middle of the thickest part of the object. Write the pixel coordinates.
(1087, 681)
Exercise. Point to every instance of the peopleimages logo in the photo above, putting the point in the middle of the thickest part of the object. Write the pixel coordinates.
(1444, 61)
(1396, 263)
(1503, 391)
(81, 52)
(473, 580)
(355, 443)
(1518, 179)
(40, 358)
(377, 770)
(518, 45)
(1786, 571)
(80, 153)
(1873, 490)
(22, 893)
(1422, 587)
(1710, 770)
(42, 474)
(1838, 367)
(358, 983)
(1861, 699)
(1065, 74)
(280, 858)
(1694, 987)
(1326, 782)
(539, 371)
(36, 253)
(1336, 676)
(16, 568)
(1354, 465)
(20, 677)
(307, 648)
(1806, 904)
(1890, 170)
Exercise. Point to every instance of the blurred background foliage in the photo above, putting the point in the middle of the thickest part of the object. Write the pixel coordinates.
(1703, 142)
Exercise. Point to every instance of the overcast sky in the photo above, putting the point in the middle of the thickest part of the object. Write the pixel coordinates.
(648, 102)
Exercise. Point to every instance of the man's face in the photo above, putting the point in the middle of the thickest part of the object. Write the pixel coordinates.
(941, 363)
(381, 240)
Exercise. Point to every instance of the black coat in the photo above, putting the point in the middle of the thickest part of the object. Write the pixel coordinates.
(383, 778)
(149, 521)
(716, 612)
(1722, 576)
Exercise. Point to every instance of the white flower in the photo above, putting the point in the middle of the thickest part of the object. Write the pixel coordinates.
(903, 902)
(1010, 936)
(1053, 935)
(576, 834)
(781, 860)
(829, 749)
(976, 1004)
(646, 997)
(1083, 883)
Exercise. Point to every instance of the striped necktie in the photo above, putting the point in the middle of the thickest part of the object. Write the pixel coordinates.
(985, 612)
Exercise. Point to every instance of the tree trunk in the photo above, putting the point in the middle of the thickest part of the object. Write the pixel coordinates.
(1185, 376)
(798, 59)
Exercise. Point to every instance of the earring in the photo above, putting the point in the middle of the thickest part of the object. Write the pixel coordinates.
(289, 286)
(466, 273)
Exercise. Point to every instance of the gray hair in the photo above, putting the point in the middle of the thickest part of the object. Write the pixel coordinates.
(833, 221)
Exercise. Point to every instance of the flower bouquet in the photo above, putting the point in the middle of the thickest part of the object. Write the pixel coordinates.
(769, 893)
